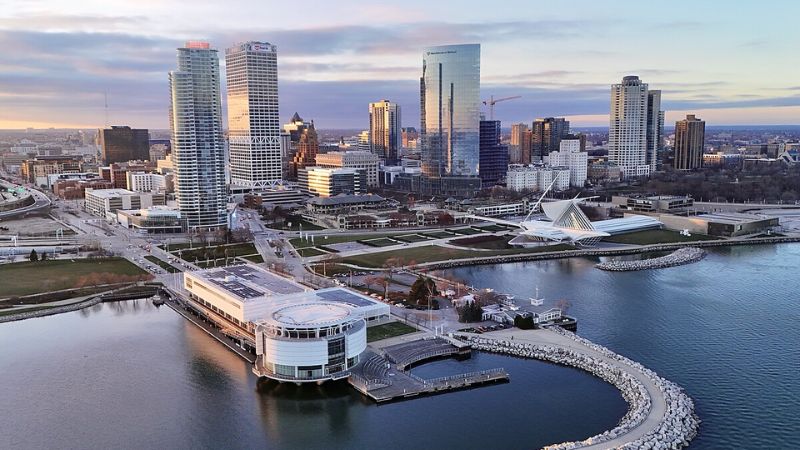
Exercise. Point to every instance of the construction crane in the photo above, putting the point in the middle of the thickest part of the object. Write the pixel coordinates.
(491, 102)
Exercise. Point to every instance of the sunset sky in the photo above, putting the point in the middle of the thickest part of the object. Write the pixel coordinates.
(729, 62)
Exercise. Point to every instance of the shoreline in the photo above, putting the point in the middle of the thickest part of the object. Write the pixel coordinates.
(686, 255)
(660, 415)
(502, 259)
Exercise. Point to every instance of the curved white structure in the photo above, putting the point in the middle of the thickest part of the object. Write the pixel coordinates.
(309, 342)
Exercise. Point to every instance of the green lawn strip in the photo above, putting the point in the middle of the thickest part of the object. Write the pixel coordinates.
(410, 238)
(656, 237)
(254, 258)
(492, 228)
(328, 239)
(466, 231)
(164, 265)
(484, 242)
(379, 242)
(439, 234)
(25, 278)
(309, 251)
(217, 251)
(433, 253)
(306, 225)
(387, 330)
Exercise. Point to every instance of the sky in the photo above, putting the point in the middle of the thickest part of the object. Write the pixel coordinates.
(731, 63)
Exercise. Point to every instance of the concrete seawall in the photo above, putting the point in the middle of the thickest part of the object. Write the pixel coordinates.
(660, 415)
(500, 259)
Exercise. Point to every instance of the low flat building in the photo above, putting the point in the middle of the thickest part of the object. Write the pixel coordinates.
(270, 198)
(76, 189)
(364, 160)
(301, 334)
(721, 224)
(105, 202)
(656, 203)
(328, 182)
(348, 203)
(153, 220)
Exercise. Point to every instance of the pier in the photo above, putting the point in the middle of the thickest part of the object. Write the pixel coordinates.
(383, 374)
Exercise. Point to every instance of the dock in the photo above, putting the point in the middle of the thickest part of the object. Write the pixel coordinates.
(383, 375)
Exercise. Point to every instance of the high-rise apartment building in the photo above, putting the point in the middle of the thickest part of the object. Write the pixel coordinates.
(689, 141)
(198, 149)
(450, 117)
(493, 154)
(122, 143)
(385, 133)
(570, 155)
(635, 127)
(253, 124)
(521, 143)
(546, 135)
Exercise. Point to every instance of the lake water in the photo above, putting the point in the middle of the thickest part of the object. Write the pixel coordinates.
(727, 329)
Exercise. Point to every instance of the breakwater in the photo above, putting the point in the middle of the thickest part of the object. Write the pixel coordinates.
(679, 257)
(541, 256)
(672, 428)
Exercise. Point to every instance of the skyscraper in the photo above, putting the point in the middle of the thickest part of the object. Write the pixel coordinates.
(198, 150)
(450, 119)
(689, 141)
(384, 130)
(635, 124)
(307, 149)
(546, 135)
(253, 124)
(296, 129)
(493, 154)
(122, 144)
(521, 142)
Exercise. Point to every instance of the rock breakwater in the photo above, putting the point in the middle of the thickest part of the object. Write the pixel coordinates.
(678, 257)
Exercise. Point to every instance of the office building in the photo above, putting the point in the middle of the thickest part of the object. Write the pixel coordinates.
(493, 154)
(520, 147)
(635, 127)
(571, 156)
(105, 202)
(198, 149)
(327, 182)
(385, 136)
(149, 182)
(546, 135)
(303, 145)
(450, 119)
(689, 142)
(409, 137)
(253, 124)
(152, 220)
(354, 159)
(122, 143)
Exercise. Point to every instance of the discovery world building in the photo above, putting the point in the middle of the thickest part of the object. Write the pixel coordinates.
(300, 334)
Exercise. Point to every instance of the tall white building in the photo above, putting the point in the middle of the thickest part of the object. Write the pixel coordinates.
(253, 123)
(537, 178)
(385, 132)
(198, 150)
(571, 156)
(634, 133)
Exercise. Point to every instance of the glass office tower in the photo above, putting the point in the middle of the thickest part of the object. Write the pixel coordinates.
(450, 110)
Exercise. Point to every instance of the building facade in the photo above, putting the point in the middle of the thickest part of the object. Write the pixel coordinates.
(251, 70)
(105, 202)
(635, 127)
(198, 149)
(537, 178)
(327, 182)
(385, 132)
(546, 135)
(450, 114)
(122, 143)
(520, 147)
(493, 154)
(366, 161)
(571, 156)
(689, 142)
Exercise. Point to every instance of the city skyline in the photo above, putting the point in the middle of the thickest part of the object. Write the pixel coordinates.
(60, 63)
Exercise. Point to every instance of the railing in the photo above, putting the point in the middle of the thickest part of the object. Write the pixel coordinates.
(405, 362)
(366, 385)
(464, 376)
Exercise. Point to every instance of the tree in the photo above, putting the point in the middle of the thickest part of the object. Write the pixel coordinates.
(422, 290)
(33, 256)
(524, 323)
(470, 312)
(43, 257)
(488, 297)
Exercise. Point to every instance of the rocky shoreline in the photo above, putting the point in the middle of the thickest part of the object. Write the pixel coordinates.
(675, 430)
(52, 311)
(679, 257)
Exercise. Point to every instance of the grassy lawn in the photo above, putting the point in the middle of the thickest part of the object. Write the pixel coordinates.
(330, 269)
(307, 226)
(439, 234)
(387, 330)
(466, 231)
(25, 278)
(164, 265)
(335, 239)
(380, 242)
(432, 253)
(492, 228)
(410, 238)
(309, 251)
(254, 258)
(656, 237)
(233, 250)
(484, 242)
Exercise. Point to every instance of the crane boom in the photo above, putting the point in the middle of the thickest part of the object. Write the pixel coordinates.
(492, 101)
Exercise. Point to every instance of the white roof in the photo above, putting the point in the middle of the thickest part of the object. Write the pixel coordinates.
(312, 314)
